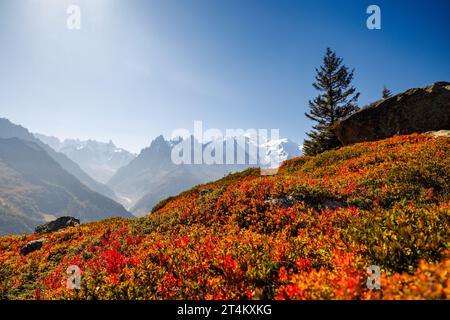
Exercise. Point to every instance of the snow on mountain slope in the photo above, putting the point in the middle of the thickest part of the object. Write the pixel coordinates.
(98, 159)
(153, 176)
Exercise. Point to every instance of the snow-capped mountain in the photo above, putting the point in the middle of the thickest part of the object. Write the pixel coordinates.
(98, 159)
(259, 150)
(278, 150)
(140, 182)
(153, 175)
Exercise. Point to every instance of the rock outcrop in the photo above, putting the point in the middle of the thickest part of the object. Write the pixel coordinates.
(32, 246)
(440, 133)
(57, 224)
(416, 110)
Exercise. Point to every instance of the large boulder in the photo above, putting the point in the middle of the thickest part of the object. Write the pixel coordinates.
(416, 110)
(57, 224)
(32, 246)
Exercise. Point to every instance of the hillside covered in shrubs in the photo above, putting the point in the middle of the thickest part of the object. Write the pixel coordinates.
(309, 232)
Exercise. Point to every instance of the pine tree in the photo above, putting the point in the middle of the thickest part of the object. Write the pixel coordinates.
(386, 93)
(337, 99)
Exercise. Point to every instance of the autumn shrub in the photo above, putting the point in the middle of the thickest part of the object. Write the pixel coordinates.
(309, 232)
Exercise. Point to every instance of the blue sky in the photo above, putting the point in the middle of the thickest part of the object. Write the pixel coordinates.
(140, 68)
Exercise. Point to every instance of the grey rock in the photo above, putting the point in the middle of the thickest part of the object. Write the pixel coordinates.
(32, 246)
(440, 133)
(417, 110)
(57, 224)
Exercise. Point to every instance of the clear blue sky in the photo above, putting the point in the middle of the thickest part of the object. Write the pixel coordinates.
(141, 68)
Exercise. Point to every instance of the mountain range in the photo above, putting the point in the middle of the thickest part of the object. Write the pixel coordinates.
(139, 182)
(153, 176)
(11, 130)
(98, 159)
(42, 177)
(34, 189)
